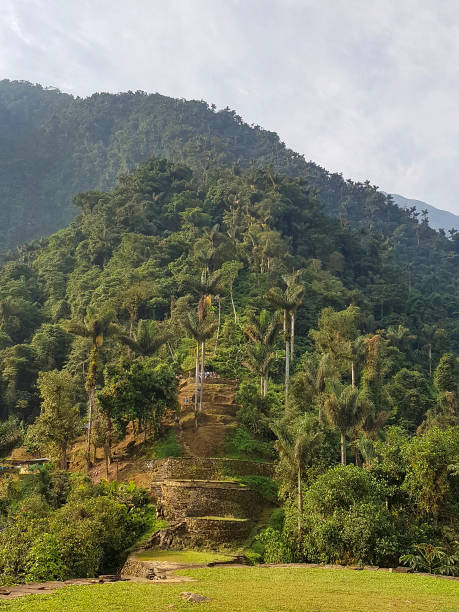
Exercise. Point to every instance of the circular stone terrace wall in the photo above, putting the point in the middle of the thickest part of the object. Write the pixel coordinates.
(181, 498)
(204, 468)
(214, 531)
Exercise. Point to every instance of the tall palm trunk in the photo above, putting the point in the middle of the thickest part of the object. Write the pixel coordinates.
(203, 353)
(232, 304)
(287, 357)
(352, 373)
(91, 381)
(292, 335)
(91, 398)
(300, 503)
(265, 384)
(219, 324)
(343, 448)
(196, 383)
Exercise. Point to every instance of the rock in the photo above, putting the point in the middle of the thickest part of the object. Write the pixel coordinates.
(4, 592)
(401, 570)
(194, 597)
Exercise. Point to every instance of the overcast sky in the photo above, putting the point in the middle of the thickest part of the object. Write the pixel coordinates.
(368, 88)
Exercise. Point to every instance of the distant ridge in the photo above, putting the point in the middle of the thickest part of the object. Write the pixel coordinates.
(437, 218)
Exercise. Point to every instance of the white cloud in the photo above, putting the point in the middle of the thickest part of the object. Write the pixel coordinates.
(366, 88)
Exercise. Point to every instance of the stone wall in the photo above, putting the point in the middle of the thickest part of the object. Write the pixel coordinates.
(208, 532)
(203, 468)
(180, 499)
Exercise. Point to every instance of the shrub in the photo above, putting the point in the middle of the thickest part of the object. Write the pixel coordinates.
(345, 520)
(83, 533)
(44, 561)
(167, 446)
(266, 487)
(241, 445)
(432, 559)
(276, 547)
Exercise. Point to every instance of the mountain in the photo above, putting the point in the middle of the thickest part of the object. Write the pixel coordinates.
(438, 219)
(53, 145)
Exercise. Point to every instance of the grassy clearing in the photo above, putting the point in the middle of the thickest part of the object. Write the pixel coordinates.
(181, 556)
(260, 590)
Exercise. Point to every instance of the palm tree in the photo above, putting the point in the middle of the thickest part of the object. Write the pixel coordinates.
(262, 332)
(201, 327)
(295, 291)
(346, 408)
(287, 301)
(295, 445)
(96, 327)
(311, 378)
(230, 271)
(148, 338)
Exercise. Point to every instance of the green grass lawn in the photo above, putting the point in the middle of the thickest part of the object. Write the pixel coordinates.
(259, 589)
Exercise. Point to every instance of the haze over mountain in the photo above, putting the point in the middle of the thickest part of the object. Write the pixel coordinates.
(438, 219)
(53, 145)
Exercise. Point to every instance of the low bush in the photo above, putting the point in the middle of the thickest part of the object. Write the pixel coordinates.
(167, 446)
(266, 487)
(241, 445)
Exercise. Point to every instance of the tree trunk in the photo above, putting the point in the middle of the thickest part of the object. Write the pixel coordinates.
(203, 357)
(343, 448)
(265, 384)
(300, 504)
(219, 324)
(262, 386)
(196, 384)
(430, 360)
(91, 398)
(287, 358)
(106, 456)
(232, 304)
(352, 374)
(292, 335)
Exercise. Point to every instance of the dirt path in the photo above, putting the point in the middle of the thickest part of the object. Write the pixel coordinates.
(218, 416)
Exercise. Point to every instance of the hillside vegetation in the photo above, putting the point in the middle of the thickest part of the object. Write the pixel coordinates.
(339, 331)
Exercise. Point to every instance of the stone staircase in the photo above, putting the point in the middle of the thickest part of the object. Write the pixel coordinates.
(217, 418)
(198, 494)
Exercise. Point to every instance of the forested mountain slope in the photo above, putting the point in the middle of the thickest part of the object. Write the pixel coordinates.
(53, 145)
(138, 249)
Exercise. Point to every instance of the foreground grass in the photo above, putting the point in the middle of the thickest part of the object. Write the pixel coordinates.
(259, 589)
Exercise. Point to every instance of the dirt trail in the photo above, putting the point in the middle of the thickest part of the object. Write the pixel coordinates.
(218, 416)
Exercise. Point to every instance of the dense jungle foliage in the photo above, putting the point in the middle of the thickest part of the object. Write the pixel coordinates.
(53, 145)
(342, 329)
(56, 526)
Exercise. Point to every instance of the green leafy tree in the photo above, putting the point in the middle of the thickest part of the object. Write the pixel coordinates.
(58, 425)
(430, 483)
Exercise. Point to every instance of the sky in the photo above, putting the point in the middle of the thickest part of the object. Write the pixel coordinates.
(366, 88)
